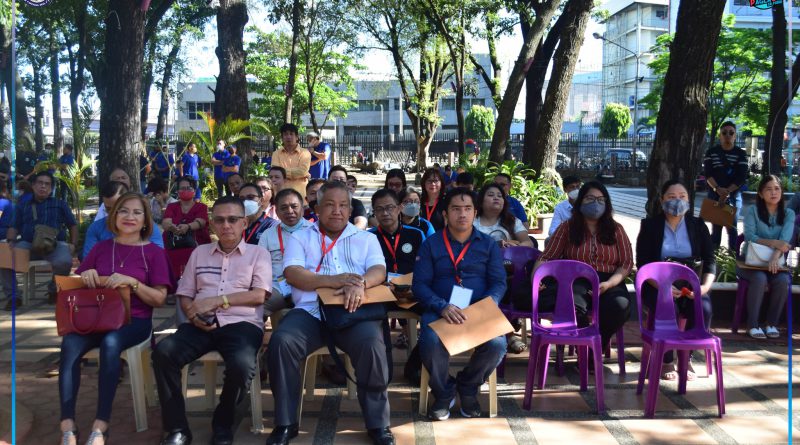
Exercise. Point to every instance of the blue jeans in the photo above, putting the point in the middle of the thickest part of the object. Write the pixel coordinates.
(436, 360)
(60, 259)
(75, 346)
(733, 232)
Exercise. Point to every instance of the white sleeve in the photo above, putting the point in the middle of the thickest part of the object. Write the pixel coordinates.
(374, 255)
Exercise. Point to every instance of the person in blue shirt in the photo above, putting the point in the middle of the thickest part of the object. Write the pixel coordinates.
(65, 161)
(189, 166)
(231, 166)
(164, 161)
(456, 267)
(6, 209)
(516, 207)
(320, 156)
(99, 231)
(267, 159)
(217, 159)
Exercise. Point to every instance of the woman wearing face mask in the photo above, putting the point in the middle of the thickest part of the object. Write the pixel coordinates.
(592, 236)
(410, 200)
(184, 216)
(677, 236)
(257, 220)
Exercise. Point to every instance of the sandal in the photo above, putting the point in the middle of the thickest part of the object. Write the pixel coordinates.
(756, 333)
(690, 374)
(668, 372)
(772, 332)
(97, 434)
(516, 345)
(401, 342)
(67, 435)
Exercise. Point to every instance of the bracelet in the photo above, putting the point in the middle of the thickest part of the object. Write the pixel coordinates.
(135, 286)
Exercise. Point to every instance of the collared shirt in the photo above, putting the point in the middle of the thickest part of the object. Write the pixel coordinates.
(52, 212)
(190, 162)
(405, 254)
(321, 168)
(66, 160)
(481, 270)
(231, 161)
(422, 224)
(211, 272)
(355, 251)
(676, 242)
(602, 257)
(270, 241)
(255, 231)
(561, 213)
(220, 155)
(296, 164)
(756, 229)
(517, 209)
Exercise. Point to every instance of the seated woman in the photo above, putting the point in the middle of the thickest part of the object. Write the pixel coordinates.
(677, 236)
(433, 197)
(495, 218)
(409, 211)
(769, 224)
(180, 218)
(129, 259)
(592, 236)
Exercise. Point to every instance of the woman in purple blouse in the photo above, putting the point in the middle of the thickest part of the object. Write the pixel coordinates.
(129, 259)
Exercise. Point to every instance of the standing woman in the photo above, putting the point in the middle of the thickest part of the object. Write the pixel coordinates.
(495, 218)
(677, 236)
(189, 164)
(592, 236)
(129, 259)
(180, 218)
(770, 224)
(433, 197)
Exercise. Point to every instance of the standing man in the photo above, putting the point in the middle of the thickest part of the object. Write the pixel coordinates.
(457, 262)
(230, 166)
(46, 211)
(563, 210)
(293, 159)
(164, 162)
(217, 159)
(358, 215)
(725, 167)
(188, 166)
(333, 254)
(222, 293)
(64, 162)
(320, 155)
(504, 180)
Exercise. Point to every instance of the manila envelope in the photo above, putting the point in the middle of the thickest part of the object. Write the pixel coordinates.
(21, 258)
(377, 294)
(75, 282)
(484, 322)
(403, 280)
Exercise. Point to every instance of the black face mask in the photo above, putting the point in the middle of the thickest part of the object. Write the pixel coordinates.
(312, 204)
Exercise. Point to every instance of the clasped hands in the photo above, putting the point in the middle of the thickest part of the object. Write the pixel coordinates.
(91, 279)
(352, 286)
(204, 307)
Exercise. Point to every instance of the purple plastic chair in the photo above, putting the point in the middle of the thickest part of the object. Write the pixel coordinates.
(660, 332)
(518, 256)
(564, 329)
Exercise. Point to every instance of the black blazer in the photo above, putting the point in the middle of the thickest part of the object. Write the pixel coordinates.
(651, 238)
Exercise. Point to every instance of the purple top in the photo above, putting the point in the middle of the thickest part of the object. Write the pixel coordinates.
(147, 263)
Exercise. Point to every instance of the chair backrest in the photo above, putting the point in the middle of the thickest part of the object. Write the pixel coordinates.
(565, 272)
(519, 256)
(663, 275)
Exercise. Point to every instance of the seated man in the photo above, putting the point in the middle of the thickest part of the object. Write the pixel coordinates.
(352, 183)
(358, 216)
(563, 210)
(465, 180)
(334, 254)
(504, 180)
(311, 199)
(222, 294)
(456, 260)
(46, 211)
(234, 182)
(278, 176)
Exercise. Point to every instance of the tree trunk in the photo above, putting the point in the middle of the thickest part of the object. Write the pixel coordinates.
(549, 128)
(77, 73)
(287, 113)
(516, 79)
(55, 90)
(20, 117)
(38, 108)
(120, 131)
(147, 83)
(682, 116)
(163, 110)
(778, 93)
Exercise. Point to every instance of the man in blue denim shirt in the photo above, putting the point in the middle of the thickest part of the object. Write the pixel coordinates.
(458, 263)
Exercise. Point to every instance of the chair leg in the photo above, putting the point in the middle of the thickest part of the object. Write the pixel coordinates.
(645, 360)
(185, 381)
(598, 375)
(583, 365)
(302, 386)
(310, 378)
(621, 350)
(543, 361)
(720, 385)
(423, 391)
(256, 410)
(738, 308)
(150, 393)
(683, 368)
(134, 358)
(352, 391)
(531, 372)
(210, 382)
(656, 357)
(709, 365)
(493, 394)
(412, 336)
(560, 360)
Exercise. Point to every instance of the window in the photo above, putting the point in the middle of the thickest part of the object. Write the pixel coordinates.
(661, 13)
(372, 105)
(448, 104)
(192, 108)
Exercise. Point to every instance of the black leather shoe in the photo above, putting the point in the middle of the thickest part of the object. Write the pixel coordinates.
(281, 435)
(222, 436)
(180, 437)
(381, 436)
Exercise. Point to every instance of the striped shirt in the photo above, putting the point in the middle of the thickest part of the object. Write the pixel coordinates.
(211, 272)
(734, 171)
(602, 257)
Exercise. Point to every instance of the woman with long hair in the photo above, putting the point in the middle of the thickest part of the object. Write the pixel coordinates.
(182, 217)
(395, 180)
(769, 224)
(433, 197)
(495, 218)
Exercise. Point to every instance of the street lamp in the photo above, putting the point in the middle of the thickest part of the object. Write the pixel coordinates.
(381, 105)
(634, 160)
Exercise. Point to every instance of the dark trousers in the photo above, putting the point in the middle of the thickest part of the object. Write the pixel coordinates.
(436, 359)
(111, 344)
(733, 232)
(683, 307)
(300, 334)
(222, 186)
(237, 343)
(615, 304)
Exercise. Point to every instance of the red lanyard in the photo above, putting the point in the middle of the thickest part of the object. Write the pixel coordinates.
(429, 210)
(255, 229)
(324, 249)
(455, 260)
(392, 250)
(280, 237)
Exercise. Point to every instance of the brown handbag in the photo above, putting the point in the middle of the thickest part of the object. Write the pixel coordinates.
(89, 311)
(718, 214)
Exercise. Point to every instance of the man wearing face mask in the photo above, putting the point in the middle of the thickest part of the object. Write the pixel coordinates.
(257, 220)
(563, 210)
(217, 159)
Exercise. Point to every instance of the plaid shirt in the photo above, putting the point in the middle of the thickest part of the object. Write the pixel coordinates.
(52, 212)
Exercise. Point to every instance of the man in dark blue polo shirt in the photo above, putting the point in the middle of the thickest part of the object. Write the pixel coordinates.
(456, 267)
(42, 209)
(399, 242)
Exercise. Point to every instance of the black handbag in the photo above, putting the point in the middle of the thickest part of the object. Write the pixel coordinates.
(185, 241)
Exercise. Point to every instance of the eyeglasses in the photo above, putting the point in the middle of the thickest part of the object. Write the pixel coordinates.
(265, 189)
(187, 188)
(220, 220)
(727, 133)
(590, 199)
(433, 181)
(125, 213)
(249, 197)
(387, 209)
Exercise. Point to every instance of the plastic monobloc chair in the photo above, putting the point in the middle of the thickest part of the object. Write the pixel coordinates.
(518, 257)
(660, 332)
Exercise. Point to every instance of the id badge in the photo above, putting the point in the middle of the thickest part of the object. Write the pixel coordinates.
(284, 287)
(391, 276)
(460, 296)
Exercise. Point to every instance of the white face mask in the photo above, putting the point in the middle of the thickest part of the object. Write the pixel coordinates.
(2, 154)
(220, 147)
(250, 207)
(573, 195)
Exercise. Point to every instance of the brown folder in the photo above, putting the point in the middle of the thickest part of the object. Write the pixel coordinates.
(403, 280)
(484, 322)
(75, 282)
(377, 294)
(21, 258)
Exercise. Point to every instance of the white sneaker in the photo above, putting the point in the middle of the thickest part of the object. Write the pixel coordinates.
(772, 332)
(756, 333)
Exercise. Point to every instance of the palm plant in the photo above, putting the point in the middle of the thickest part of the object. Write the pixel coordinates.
(72, 177)
(230, 130)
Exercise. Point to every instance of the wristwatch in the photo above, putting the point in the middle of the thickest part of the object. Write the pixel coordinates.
(225, 303)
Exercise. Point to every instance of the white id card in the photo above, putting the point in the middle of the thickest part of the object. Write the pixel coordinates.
(460, 296)
(392, 275)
